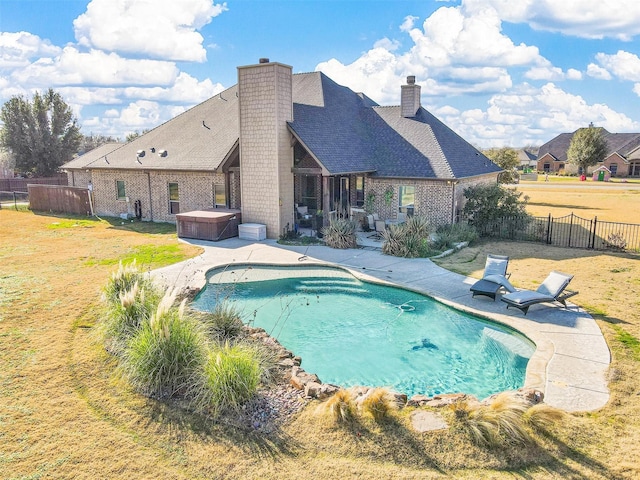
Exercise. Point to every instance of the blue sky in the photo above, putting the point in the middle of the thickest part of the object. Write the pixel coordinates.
(499, 72)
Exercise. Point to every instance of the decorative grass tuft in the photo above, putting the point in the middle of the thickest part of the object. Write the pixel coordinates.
(502, 421)
(123, 280)
(340, 407)
(409, 239)
(165, 355)
(378, 403)
(543, 416)
(340, 233)
(232, 375)
(224, 322)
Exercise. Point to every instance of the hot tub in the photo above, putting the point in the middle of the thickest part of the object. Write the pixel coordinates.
(211, 225)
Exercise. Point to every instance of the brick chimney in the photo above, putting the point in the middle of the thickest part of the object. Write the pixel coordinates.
(266, 154)
(410, 98)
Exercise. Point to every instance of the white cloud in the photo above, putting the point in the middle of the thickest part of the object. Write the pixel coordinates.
(583, 18)
(163, 29)
(573, 74)
(16, 49)
(546, 72)
(136, 116)
(186, 89)
(623, 65)
(96, 67)
(529, 115)
(453, 53)
(598, 72)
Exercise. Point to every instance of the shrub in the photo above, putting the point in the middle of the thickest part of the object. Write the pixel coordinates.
(224, 322)
(165, 355)
(449, 235)
(378, 403)
(340, 407)
(340, 233)
(232, 374)
(495, 210)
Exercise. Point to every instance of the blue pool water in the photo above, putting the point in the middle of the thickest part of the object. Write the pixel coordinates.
(351, 332)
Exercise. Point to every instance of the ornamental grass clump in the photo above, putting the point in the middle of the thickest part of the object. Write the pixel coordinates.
(340, 233)
(123, 280)
(501, 421)
(224, 322)
(231, 376)
(166, 354)
(340, 407)
(409, 239)
(124, 318)
(130, 298)
(378, 403)
(543, 416)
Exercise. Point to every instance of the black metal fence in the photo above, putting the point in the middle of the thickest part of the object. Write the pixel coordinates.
(13, 199)
(568, 231)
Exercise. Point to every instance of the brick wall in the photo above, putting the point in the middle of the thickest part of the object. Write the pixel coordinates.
(78, 178)
(195, 192)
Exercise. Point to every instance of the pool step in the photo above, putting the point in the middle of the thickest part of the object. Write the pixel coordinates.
(350, 287)
(516, 345)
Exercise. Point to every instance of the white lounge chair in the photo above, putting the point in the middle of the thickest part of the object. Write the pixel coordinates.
(553, 289)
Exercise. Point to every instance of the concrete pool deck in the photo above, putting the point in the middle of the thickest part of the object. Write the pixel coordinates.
(571, 360)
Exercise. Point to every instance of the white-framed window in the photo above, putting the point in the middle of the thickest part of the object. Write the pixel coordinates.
(174, 198)
(121, 192)
(219, 195)
(614, 169)
(406, 199)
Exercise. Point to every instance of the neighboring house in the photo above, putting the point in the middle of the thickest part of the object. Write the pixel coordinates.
(528, 159)
(276, 141)
(622, 159)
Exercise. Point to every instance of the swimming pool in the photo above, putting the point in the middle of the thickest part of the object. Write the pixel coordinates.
(351, 332)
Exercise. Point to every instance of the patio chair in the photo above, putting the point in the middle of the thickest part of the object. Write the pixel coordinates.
(494, 278)
(379, 226)
(553, 289)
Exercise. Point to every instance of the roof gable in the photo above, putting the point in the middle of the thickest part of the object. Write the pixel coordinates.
(349, 133)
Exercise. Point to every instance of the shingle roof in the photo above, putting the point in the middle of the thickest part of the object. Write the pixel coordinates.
(98, 153)
(198, 140)
(621, 143)
(380, 140)
(345, 131)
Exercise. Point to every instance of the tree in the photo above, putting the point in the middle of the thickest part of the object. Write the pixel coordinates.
(135, 134)
(588, 147)
(91, 141)
(41, 135)
(507, 159)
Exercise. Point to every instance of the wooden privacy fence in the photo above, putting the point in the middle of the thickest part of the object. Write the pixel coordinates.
(58, 198)
(20, 184)
(568, 231)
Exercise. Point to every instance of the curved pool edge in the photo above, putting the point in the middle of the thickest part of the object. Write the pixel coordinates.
(571, 358)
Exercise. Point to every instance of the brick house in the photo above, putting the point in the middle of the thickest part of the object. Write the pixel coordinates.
(622, 159)
(276, 141)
